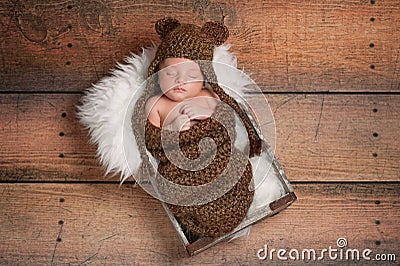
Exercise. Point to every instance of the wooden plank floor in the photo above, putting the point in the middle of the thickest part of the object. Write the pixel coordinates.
(105, 224)
(330, 72)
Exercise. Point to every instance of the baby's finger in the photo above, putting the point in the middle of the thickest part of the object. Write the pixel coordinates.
(183, 108)
(182, 119)
(185, 125)
(191, 114)
(188, 110)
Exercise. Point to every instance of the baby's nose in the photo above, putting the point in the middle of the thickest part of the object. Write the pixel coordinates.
(180, 79)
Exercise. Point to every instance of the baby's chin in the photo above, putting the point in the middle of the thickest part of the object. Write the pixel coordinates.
(179, 98)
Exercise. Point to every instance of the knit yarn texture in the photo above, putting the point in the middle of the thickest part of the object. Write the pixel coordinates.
(179, 40)
(223, 214)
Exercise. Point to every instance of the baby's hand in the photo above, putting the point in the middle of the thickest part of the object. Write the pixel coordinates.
(180, 123)
(195, 111)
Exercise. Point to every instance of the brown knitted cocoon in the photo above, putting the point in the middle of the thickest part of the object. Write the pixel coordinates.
(216, 218)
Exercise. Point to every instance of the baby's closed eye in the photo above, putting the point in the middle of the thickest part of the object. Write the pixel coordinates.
(171, 73)
(195, 74)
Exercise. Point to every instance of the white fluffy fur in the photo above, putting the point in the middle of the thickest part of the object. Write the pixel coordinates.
(106, 111)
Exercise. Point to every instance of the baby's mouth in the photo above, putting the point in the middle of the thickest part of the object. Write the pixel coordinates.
(179, 89)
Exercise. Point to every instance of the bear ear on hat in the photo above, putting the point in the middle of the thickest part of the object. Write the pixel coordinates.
(165, 26)
(217, 30)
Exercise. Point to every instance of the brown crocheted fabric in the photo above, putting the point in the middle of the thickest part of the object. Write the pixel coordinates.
(223, 214)
(179, 40)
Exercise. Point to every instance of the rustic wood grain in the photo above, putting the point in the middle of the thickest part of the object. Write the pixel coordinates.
(52, 224)
(295, 46)
(318, 137)
(337, 137)
(41, 139)
(341, 149)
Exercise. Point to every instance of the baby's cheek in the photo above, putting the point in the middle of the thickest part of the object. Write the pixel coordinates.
(165, 84)
(195, 87)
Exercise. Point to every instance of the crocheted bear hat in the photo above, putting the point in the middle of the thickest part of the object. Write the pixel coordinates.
(180, 40)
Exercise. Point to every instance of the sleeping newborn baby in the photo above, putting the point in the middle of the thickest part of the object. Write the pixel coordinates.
(184, 100)
(184, 112)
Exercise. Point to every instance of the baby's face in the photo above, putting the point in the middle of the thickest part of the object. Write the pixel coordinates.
(180, 78)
